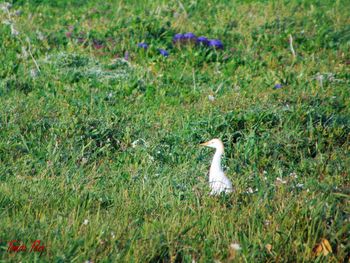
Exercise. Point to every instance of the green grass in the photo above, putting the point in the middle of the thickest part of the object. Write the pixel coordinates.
(68, 134)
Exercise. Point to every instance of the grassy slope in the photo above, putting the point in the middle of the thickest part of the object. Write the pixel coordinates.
(66, 135)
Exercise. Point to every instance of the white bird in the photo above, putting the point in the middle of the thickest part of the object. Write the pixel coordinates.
(218, 181)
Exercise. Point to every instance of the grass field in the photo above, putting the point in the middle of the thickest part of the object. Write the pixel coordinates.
(99, 138)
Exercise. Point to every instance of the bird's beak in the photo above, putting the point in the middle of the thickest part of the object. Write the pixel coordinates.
(204, 144)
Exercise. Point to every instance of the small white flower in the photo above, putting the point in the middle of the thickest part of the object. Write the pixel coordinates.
(299, 185)
(33, 73)
(14, 31)
(265, 178)
(5, 6)
(134, 143)
(112, 234)
(293, 175)
(211, 97)
(86, 221)
(235, 246)
(250, 190)
(280, 180)
(319, 77)
(264, 172)
(40, 35)
(138, 142)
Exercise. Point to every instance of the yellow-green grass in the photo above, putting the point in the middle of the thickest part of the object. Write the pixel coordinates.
(100, 157)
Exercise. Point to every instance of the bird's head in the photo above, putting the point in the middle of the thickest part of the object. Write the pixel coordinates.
(214, 143)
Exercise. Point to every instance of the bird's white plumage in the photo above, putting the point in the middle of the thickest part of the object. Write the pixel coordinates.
(218, 181)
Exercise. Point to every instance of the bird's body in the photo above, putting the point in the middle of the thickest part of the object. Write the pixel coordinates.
(218, 181)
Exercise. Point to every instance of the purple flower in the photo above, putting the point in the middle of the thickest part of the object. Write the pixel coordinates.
(202, 40)
(97, 44)
(69, 34)
(278, 86)
(81, 39)
(178, 38)
(189, 36)
(142, 45)
(163, 52)
(126, 55)
(215, 43)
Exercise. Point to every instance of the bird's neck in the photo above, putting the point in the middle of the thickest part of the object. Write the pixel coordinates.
(216, 163)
